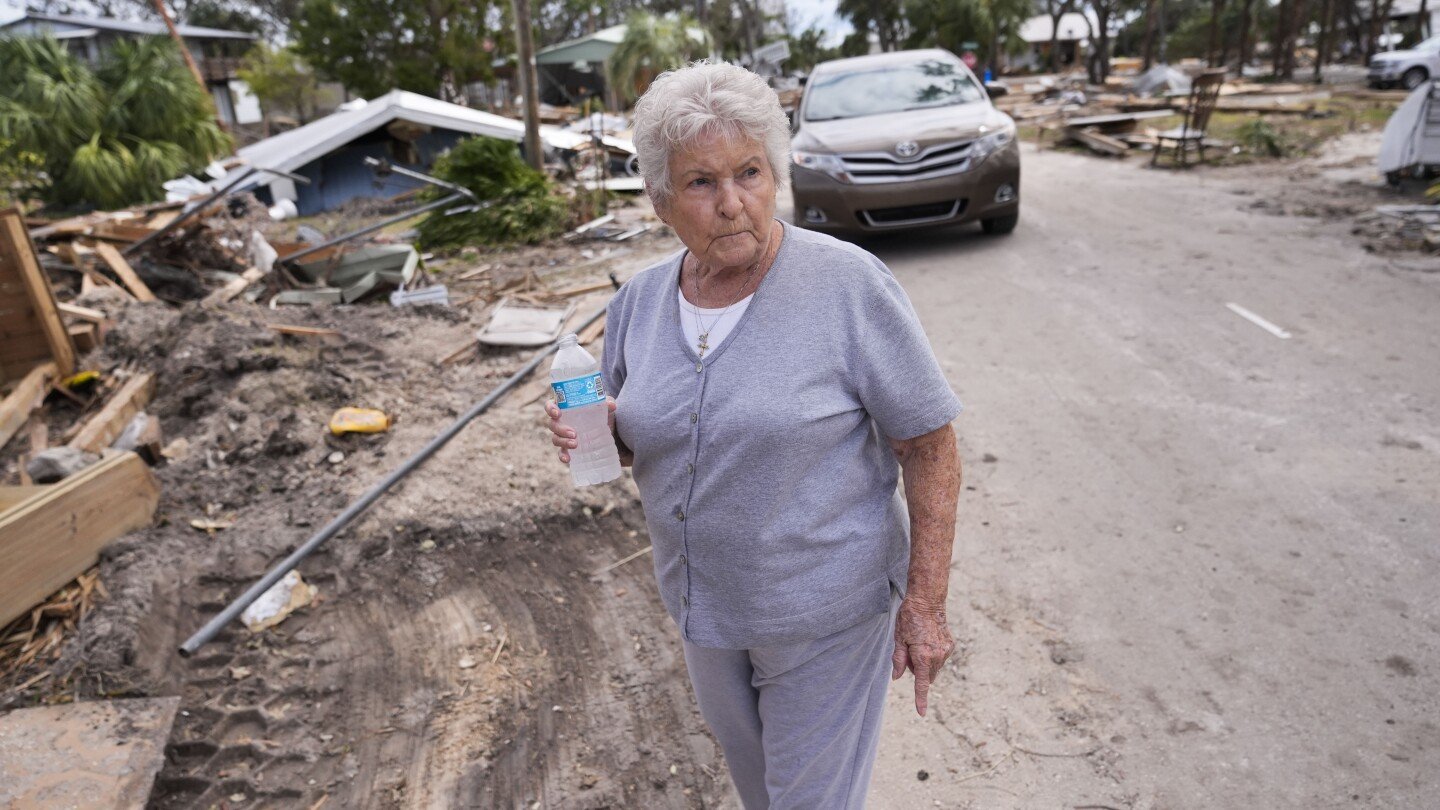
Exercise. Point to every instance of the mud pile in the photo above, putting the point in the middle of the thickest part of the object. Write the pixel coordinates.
(463, 651)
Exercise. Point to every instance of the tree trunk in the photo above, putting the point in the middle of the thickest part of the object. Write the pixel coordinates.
(1055, 40)
(1247, 16)
(1322, 43)
(529, 92)
(1217, 7)
(1424, 20)
(1147, 50)
(1277, 40)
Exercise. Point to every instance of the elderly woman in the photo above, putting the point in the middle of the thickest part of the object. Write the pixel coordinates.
(770, 384)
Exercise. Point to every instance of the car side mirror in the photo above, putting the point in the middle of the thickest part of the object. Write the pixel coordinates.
(996, 89)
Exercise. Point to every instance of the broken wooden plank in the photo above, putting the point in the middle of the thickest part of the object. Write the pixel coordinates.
(302, 331)
(85, 336)
(589, 333)
(93, 754)
(124, 271)
(20, 268)
(102, 428)
(54, 536)
(234, 287)
(83, 313)
(1098, 142)
(15, 409)
(582, 289)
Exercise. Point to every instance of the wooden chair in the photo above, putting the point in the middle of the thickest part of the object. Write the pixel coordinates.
(1204, 92)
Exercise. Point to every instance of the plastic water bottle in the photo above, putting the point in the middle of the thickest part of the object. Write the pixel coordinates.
(580, 395)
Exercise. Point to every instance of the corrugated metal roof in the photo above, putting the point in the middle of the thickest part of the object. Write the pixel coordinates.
(128, 26)
(594, 47)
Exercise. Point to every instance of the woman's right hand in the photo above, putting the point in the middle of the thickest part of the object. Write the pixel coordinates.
(563, 437)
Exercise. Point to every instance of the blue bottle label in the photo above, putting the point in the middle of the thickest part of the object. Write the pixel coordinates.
(579, 392)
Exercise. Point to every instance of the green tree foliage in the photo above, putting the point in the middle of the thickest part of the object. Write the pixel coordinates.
(883, 18)
(652, 45)
(373, 46)
(110, 136)
(282, 80)
(21, 173)
(526, 206)
(808, 49)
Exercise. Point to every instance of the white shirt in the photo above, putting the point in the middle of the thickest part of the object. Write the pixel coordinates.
(694, 320)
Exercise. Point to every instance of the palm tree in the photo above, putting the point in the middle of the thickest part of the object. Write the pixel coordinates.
(109, 136)
(653, 44)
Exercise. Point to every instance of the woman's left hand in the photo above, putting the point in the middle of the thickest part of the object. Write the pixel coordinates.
(922, 645)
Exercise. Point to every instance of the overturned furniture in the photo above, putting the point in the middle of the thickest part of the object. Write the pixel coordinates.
(1204, 93)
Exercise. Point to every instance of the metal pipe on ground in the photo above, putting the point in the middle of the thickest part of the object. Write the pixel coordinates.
(205, 634)
(440, 203)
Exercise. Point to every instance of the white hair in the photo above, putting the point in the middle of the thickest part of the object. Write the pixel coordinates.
(707, 99)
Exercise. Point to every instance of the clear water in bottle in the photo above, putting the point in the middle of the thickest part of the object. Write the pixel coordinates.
(580, 395)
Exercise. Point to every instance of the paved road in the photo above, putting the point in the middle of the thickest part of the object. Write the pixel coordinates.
(1198, 565)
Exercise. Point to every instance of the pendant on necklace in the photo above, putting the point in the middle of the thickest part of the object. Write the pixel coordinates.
(704, 343)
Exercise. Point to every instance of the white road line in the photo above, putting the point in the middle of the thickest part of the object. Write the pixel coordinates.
(1259, 321)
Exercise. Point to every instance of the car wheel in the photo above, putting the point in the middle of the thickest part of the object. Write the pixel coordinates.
(1413, 77)
(999, 226)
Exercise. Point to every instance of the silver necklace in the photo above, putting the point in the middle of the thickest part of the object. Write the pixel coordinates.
(703, 331)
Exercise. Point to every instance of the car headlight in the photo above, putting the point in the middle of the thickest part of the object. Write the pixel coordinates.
(992, 142)
(831, 165)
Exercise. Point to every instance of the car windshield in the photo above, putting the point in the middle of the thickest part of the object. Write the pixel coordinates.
(888, 89)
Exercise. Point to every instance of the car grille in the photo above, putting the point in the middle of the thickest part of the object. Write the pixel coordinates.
(913, 214)
(882, 167)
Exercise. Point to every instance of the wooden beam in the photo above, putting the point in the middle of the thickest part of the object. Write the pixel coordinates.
(124, 271)
(15, 409)
(105, 426)
(85, 336)
(234, 287)
(53, 536)
(83, 313)
(17, 260)
(302, 331)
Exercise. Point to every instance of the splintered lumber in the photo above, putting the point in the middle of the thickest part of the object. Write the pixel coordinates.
(594, 330)
(1098, 142)
(31, 331)
(53, 536)
(15, 409)
(83, 313)
(302, 331)
(234, 287)
(104, 753)
(570, 292)
(85, 336)
(123, 270)
(105, 426)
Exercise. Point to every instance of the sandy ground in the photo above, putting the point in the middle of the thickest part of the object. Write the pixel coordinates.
(1196, 564)
(1194, 567)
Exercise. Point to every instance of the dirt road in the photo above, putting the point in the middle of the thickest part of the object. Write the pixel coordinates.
(1197, 563)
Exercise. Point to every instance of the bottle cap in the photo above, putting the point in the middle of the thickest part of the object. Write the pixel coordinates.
(569, 339)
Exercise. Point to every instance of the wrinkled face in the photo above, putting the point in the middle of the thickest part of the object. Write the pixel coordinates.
(723, 203)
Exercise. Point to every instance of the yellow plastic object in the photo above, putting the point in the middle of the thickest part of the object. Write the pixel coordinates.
(81, 379)
(359, 420)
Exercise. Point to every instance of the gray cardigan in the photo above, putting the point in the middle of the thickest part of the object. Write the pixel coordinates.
(767, 483)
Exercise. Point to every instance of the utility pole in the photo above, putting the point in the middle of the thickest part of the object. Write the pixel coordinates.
(184, 51)
(529, 90)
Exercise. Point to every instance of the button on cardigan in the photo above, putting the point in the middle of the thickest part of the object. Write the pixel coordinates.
(768, 486)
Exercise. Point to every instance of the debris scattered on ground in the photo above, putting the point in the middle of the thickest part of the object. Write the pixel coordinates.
(284, 597)
(359, 420)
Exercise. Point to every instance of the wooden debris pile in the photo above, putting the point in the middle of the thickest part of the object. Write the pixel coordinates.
(76, 494)
(36, 636)
(1112, 119)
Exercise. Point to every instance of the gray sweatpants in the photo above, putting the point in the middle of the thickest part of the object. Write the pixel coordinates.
(799, 723)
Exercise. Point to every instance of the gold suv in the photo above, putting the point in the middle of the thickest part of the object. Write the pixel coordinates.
(902, 140)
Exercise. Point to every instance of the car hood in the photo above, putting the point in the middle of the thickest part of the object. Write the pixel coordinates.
(1399, 56)
(877, 133)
